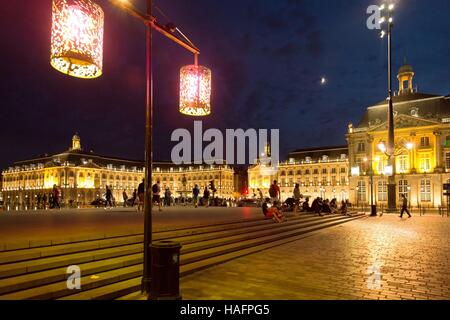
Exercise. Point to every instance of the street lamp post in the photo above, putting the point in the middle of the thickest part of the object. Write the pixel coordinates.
(373, 206)
(76, 50)
(388, 18)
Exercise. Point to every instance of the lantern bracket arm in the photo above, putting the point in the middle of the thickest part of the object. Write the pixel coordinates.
(151, 21)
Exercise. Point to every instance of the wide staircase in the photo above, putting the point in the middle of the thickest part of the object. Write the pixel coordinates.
(111, 268)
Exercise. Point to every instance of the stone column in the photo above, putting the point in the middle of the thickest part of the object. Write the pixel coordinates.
(413, 153)
(438, 151)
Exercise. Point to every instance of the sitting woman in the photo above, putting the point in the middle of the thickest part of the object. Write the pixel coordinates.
(275, 213)
(305, 206)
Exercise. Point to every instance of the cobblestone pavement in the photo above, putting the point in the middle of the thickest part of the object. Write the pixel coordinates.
(372, 258)
(18, 226)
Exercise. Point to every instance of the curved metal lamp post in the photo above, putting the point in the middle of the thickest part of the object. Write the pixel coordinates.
(77, 50)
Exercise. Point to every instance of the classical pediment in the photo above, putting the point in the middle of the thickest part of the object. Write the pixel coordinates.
(402, 121)
(90, 165)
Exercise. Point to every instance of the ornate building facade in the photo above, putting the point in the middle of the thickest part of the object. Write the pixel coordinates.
(83, 177)
(320, 172)
(422, 147)
(422, 155)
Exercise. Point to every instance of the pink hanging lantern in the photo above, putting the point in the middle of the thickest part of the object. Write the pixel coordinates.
(195, 90)
(77, 38)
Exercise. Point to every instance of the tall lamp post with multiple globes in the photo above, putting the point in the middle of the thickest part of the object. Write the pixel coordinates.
(77, 51)
(387, 10)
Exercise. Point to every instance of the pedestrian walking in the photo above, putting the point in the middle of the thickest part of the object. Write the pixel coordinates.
(156, 190)
(167, 197)
(195, 193)
(141, 191)
(44, 201)
(56, 197)
(108, 196)
(404, 207)
(39, 200)
(134, 198)
(125, 198)
(206, 197)
(297, 197)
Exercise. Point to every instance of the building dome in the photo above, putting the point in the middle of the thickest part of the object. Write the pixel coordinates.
(76, 142)
(406, 69)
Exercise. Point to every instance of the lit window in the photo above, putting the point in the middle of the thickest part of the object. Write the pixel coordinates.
(361, 191)
(382, 191)
(447, 161)
(424, 142)
(403, 164)
(425, 163)
(403, 188)
(361, 147)
(425, 190)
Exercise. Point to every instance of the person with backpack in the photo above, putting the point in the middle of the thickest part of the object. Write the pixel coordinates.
(274, 192)
(156, 190)
(206, 197)
(195, 193)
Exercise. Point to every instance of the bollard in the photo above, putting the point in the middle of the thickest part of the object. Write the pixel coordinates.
(165, 283)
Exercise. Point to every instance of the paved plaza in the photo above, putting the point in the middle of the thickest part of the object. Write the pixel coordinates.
(371, 258)
(20, 226)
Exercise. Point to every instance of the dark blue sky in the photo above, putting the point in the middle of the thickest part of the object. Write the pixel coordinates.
(267, 58)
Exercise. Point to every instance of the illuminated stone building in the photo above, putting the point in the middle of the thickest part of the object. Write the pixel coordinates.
(321, 172)
(422, 147)
(83, 176)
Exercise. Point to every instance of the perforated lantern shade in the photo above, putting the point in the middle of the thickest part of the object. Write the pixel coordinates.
(195, 90)
(77, 38)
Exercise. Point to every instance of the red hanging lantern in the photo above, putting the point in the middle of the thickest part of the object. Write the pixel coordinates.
(77, 38)
(195, 90)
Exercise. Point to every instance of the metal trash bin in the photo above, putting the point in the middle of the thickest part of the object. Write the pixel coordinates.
(165, 282)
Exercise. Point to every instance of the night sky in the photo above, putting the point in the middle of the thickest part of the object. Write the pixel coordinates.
(267, 59)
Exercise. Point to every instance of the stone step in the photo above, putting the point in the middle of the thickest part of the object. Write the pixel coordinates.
(239, 245)
(189, 239)
(233, 237)
(42, 278)
(111, 291)
(189, 266)
(25, 267)
(59, 249)
(64, 260)
(59, 289)
(216, 260)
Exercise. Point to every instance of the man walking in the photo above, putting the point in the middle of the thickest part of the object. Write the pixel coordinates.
(206, 197)
(195, 193)
(125, 198)
(108, 197)
(404, 207)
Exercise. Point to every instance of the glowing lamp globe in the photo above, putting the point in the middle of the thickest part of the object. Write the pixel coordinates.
(195, 90)
(77, 38)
